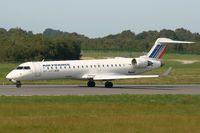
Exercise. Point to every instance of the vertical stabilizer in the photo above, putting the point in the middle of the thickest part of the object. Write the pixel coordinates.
(159, 48)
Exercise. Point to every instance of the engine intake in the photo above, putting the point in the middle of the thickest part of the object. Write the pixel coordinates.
(141, 63)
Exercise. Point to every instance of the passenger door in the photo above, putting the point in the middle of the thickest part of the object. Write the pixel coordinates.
(37, 69)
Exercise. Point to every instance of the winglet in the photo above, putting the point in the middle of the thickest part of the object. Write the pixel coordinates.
(166, 73)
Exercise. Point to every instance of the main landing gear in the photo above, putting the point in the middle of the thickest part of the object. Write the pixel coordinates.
(18, 84)
(91, 83)
(108, 84)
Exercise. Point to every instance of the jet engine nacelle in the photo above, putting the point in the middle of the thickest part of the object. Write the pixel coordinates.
(145, 62)
(141, 62)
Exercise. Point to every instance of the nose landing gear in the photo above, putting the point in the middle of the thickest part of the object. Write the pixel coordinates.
(18, 84)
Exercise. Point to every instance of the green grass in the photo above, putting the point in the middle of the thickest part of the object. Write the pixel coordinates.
(97, 114)
(116, 53)
(181, 73)
(109, 53)
(5, 68)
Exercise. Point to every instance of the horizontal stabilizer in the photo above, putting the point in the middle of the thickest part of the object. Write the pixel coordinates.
(166, 73)
(167, 40)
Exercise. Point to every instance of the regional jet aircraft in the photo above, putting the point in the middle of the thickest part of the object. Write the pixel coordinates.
(94, 70)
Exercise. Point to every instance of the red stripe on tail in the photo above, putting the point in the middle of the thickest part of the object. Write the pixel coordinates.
(163, 52)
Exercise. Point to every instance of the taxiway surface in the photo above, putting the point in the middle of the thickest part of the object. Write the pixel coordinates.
(58, 90)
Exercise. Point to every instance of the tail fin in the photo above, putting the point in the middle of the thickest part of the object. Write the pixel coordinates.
(159, 48)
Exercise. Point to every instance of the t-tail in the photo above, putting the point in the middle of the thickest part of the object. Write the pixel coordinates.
(159, 48)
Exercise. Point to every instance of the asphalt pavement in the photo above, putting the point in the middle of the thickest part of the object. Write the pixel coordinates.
(58, 90)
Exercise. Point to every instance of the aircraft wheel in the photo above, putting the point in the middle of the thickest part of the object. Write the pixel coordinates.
(91, 84)
(108, 84)
(18, 84)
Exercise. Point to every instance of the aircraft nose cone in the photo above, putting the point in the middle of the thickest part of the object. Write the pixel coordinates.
(9, 76)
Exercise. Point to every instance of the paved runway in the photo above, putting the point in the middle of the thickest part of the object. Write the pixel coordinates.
(58, 90)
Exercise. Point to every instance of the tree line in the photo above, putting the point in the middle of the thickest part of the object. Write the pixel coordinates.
(19, 45)
(142, 42)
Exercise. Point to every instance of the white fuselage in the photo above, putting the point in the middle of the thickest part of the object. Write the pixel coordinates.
(104, 69)
(78, 69)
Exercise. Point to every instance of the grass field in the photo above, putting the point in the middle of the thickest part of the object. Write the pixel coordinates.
(101, 114)
(107, 114)
(181, 73)
(116, 53)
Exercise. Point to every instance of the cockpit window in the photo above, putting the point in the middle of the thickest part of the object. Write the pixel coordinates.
(23, 68)
(19, 68)
(27, 68)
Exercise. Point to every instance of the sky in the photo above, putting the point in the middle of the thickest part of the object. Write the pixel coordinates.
(98, 18)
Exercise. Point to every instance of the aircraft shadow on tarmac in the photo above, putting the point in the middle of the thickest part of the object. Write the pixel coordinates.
(136, 87)
(125, 87)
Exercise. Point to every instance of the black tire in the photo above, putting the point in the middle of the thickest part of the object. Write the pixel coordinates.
(91, 84)
(108, 84)
(18, 84)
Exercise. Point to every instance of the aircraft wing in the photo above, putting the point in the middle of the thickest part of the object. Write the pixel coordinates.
(115, 77)
(111, 76)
